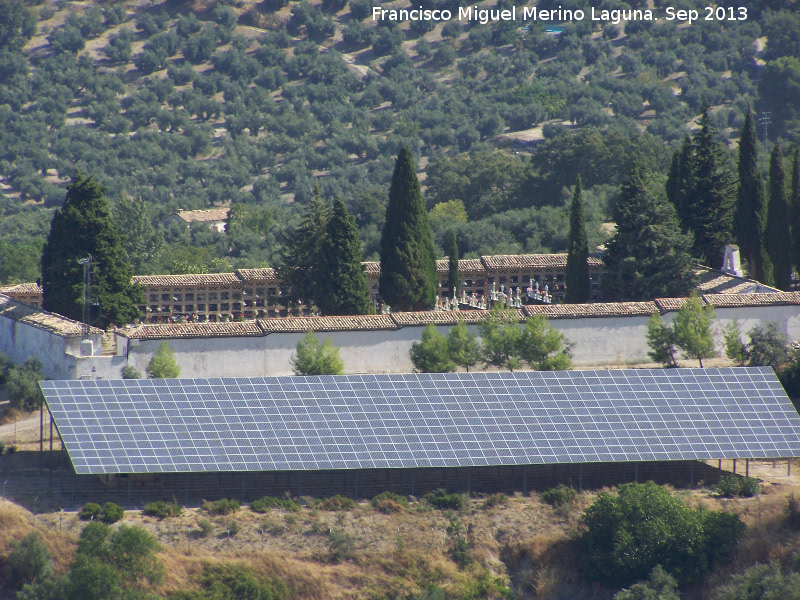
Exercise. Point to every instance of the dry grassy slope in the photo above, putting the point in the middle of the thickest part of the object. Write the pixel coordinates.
(524, 541)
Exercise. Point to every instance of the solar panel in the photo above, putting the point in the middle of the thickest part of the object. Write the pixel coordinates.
(422, 420)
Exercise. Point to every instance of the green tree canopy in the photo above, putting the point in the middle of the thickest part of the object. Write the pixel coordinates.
(17, 25)
(29, 561)
(542, 347)
(692, 329)
(500, 340)
(315, 357)
(142, 243)
(751, 206)
(462, 346)
(83, 227)
(22, 383)
(163, 364)
(408, 264)
(659, 586)
(794, 203)
(712, 199)
(432, 354)
(302, 257)
(778, 236)
(648, 256)
(762, 582)
(644, 525)
(342, 287)
(661, 340)
(577, 272)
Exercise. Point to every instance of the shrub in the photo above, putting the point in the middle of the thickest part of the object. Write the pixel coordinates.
(263, 505)
(627, 535)
(559, 495)
(336, 502)
(341, 546)
(28, 561)
(221, 507)
(162, 509)
(12, 448)
(131, 372)
(793, 513)
(2, 447)
(112, 512)
(495, 500)
(227, 580)
(232, 528)
(442, 500)
(731, 486)
(388, 503)
(91, 512)
(205, 527)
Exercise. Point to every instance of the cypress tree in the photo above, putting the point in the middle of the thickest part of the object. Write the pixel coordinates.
(795, 208)
(342, 284)
(83, 226)
(301, 259)
(751, 206)
(577, 273)
(680, 183)
(453, 281)
(778, 235)
(408, 264)
(648, 257)
(712, 198)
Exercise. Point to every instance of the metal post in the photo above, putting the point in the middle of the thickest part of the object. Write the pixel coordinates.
(580, 478)
(691, 474)
(61, 471)
(719, 466)
(734, 466)
(50, 456)
(41, 438)
(789, 467)
(747, 467)
(412, 484)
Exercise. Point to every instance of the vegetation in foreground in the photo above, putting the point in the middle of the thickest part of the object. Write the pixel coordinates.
(688, 544)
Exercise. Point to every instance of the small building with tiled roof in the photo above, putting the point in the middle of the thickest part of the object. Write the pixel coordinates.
(29, 293)
(215, 218)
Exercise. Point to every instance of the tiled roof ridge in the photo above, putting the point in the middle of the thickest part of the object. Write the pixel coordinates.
(201, 215)
(192, 330)
(42, 319)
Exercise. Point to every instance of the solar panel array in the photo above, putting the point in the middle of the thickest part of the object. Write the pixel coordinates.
(422, 420)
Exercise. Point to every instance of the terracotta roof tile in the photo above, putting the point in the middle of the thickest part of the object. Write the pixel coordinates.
(303, 324)
(670, 304)
(372, 267)
(21, 288)
(465, 265)
(600, 309)
(190, 279)
(731, 300)
(203, 216)
(532, 261)
(24, 313)
(713, 281)
(445, 317)
(266, 274)
(192, 330)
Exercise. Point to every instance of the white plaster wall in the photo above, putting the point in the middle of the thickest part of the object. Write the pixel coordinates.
(19, 341)
(605, 340)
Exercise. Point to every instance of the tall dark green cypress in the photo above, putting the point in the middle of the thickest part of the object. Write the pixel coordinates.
(795, 209)
(648, 257)
(713, 196)
(680, 183)
(342, 284)
(751, 206)
(81, 227)
(778, 235)
(301, 259)
(577, 273)
(408, 263)
(453, 282)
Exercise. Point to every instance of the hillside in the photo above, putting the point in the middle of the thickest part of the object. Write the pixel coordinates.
(192, 103)
(519, 546)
